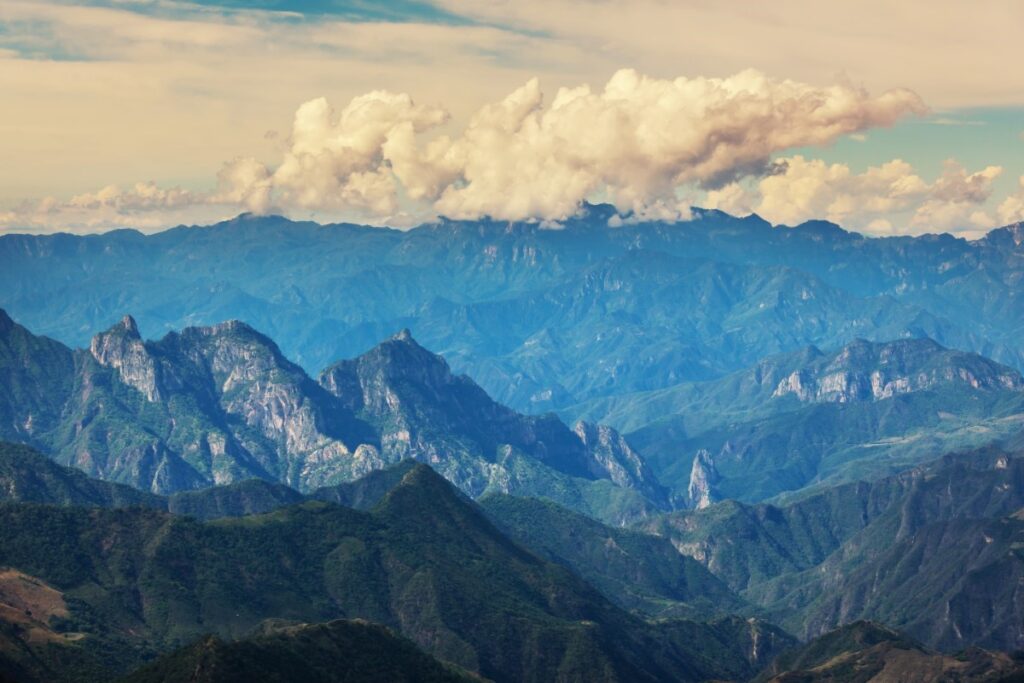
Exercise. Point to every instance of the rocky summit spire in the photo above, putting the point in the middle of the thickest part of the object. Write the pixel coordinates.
(703, 477)
(121, 348)
(128, 326)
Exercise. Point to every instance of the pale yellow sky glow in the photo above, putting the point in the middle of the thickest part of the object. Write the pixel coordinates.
(95, 96)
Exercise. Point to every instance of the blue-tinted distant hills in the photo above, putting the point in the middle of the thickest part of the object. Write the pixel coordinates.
(810, 418)
(541, 318)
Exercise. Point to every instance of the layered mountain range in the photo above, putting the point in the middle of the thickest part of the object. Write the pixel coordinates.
(811, 418)
(540, 318)
(221, 404)
(288, 593)
(658, 451)
(95, 591)
(934, 551)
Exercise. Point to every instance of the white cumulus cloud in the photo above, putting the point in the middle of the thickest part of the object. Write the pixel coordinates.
(801, 189)
(1011, 210)
(636, 142)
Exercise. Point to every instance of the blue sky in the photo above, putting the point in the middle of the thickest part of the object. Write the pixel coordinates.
(977, 137)
(152, 112)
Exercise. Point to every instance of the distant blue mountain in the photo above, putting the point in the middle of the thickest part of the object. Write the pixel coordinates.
(540, 318)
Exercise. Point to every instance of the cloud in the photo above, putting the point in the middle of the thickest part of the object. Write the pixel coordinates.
(801, 189)
(338, 162)
(636, 142)
(144, 196)
(949, 121)
(1011, 209)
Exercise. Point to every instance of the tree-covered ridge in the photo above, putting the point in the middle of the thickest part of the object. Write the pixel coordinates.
(864, 651)
(424, 562)
(934, 551)
(638, 571)
(339, 651)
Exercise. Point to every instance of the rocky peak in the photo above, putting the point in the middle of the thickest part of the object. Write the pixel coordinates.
(611, 457)
(370, 381)
(703, 479)
(6, 324)
(1011, 236)
(128, 327)
(233, 352)
(247, 376)
(122, 349)
(871, 371)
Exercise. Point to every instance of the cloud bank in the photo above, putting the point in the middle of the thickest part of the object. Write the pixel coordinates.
(650, 146)
(636, 142)
(799, 189)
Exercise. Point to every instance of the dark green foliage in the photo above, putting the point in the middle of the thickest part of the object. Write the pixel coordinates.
(933, 551)
(249, 497)
(28, 476)
(336, 652)
(864, 651)
(365, 492)
(639, 571)
(424, 562)
(854, 637)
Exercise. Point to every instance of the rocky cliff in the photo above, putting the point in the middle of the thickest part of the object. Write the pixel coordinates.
(219, 404)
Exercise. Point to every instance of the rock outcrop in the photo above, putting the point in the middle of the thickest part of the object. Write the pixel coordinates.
(121, 348)
(219, 404)
(866, 371)
(703, 478)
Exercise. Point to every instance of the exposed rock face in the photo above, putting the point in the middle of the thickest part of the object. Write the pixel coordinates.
(1011, 236)
(122, 349)
(218, 404)
(425, 412)
(612, 457)
(866, 371)
(296, 428)
(703, 477)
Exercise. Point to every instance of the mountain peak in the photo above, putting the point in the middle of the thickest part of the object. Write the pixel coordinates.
(404, 335)
(869, 371)
(128, 326)
(1008, 236)
(412, 493)
(125, 328)
(122, 349)
(703, 478)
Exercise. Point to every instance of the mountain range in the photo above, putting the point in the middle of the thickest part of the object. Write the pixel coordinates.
(217, 405)
(94, 588)
(811, 418)
(713, 449)
(221, 404)
(540, 318)
(934, 551)
(96, 591)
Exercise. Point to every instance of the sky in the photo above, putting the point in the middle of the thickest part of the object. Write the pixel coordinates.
(887, 118)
